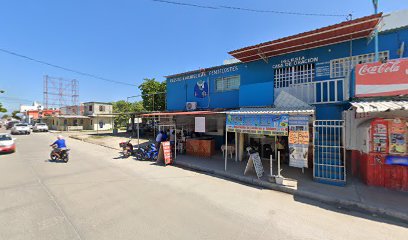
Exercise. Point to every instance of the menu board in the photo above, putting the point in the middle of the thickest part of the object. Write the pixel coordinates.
(379, 136)
(165, 153)
(298, 141)
(397, 136)
(255, 162)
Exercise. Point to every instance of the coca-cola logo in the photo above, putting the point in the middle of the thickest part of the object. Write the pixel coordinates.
(388, 67)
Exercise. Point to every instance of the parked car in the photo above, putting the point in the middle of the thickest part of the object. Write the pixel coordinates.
(40, 127)
(11, 124)
(7, 143)
(20, 128)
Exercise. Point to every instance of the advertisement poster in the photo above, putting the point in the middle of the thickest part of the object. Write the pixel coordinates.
(382, 79)
(201, 89)
(379, 136)
(397, 136)
(298, 141)
(258, 124)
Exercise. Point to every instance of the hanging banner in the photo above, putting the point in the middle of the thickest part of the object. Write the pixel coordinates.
(258, 124)
(298, 141)
(379, 136)
(382, 79)
(201, 89)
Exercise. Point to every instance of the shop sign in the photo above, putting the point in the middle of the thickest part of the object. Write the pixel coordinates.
(396, 160)
(290, 62)
(258, 124)
(165, 153)
(379, 136)
(204, 74)
(382, 79)
(298, 141)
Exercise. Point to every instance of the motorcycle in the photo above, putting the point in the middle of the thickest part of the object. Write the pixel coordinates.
(148, 152)
(59, 155)
(127, 148)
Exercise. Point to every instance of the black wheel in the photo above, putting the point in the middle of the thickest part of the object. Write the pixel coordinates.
(66, 158)
(53, 157)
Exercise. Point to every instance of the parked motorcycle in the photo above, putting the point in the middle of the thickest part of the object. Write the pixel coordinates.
(149, 152)
(59, 155)
(127, 148)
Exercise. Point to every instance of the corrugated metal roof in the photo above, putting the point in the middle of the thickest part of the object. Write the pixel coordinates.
(273, 111)
(179, 113)
(393, 21)
(379, 106)
(341, 32)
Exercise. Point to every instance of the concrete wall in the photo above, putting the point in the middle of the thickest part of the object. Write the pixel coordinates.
(107, 123)
(108, 108)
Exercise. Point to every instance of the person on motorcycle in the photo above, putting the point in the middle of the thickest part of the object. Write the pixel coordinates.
(59, 145)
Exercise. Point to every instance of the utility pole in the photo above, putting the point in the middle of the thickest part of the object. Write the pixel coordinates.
(375, 3)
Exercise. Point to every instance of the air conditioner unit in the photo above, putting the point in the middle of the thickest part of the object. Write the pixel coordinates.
(190, 106)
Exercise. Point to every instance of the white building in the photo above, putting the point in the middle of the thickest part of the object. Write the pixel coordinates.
(33, 107)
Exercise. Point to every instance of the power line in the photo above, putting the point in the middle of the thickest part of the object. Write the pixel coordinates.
(65, 68)
(249, 9)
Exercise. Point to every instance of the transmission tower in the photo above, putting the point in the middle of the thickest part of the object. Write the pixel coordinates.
(61, 93)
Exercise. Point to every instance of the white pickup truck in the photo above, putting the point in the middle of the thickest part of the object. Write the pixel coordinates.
(21, 128)
(40, 127)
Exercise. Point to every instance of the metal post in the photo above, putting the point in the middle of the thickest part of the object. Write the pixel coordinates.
(375, 3)
(270, 160)
(175, 142)
(279, 168)
(226, 149)
(236, 147)
(138, 136)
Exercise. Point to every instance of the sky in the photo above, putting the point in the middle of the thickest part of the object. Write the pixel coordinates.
(129, 40)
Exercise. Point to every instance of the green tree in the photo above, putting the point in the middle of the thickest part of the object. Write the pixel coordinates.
(124, 108)
(14, 114)
(153, 94)
(2, 109)
(5, 116)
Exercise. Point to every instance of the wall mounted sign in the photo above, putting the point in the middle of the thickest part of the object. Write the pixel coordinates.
(258, 124)
(201, 89)
(290, 62)
(382, 79)
(204, 74)
(298, 141)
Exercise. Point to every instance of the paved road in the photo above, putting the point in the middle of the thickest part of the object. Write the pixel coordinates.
(96, 196)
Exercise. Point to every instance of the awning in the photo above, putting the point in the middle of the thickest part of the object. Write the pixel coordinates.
(179, 113)
(273, 111)
(379, 106)
(341, 32)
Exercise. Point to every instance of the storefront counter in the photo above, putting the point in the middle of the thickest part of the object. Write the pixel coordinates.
(202, 147)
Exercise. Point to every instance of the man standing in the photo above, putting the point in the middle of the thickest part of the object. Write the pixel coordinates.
(159, 139)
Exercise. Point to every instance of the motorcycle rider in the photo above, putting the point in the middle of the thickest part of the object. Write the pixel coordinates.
(59, 145)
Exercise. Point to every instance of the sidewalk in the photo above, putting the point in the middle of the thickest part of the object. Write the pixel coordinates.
(354, 196)
(106, 139)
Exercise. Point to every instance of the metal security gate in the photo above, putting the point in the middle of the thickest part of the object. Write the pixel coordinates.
(329, 164)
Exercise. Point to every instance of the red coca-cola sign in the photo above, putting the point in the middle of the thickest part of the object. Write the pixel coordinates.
(382, 79)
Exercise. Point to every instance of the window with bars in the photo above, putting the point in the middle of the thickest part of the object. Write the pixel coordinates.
(227, 83)
(286, 77)
(341, 67)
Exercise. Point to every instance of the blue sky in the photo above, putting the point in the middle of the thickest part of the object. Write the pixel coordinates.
(128, 40)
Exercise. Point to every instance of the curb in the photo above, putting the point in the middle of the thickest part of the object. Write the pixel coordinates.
(345, 204)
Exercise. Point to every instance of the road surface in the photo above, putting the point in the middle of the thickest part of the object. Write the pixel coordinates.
(95, 196)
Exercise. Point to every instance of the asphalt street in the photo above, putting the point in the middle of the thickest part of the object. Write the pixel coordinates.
(97, 195)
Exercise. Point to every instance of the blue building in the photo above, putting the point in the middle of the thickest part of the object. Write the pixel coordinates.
(313, 67)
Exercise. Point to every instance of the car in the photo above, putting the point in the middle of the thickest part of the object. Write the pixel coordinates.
(20, 128)
(40, 127)
(7, 144)
(11, 124)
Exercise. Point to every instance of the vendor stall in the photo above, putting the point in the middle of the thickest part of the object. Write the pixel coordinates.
(377, 142)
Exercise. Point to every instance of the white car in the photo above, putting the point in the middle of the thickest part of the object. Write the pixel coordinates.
(20, 128)
(40, 127)
(7, 144)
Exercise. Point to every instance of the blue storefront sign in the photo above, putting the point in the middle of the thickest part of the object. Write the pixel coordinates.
(201, 89)
(258, 124)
